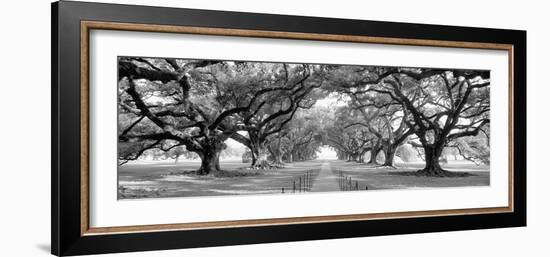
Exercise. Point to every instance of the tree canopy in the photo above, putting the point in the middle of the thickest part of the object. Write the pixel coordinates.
(183, 107)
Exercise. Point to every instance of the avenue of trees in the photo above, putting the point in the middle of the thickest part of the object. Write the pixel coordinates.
(179, 107)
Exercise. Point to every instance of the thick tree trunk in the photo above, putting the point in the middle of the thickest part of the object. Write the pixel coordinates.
(259, 157)
(276, 153)
(254, 160)
(362, 155)
(433, 168)
(210, 156)
(389, 154)
(259, 151)
(278, 158)
(255, 155)
(373, 154)
(295, 156)
(209, 161)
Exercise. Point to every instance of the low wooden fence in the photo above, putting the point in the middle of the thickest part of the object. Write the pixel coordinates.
(302, 183)
(347, 183)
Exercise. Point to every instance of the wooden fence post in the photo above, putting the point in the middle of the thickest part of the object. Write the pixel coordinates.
(307, 182)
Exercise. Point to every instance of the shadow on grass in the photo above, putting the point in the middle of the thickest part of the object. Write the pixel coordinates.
(445, 174)
(221, 173)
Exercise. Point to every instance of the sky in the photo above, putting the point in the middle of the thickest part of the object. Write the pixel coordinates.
(326, 153)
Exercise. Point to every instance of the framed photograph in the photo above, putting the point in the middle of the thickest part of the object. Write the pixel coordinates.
(178, 128)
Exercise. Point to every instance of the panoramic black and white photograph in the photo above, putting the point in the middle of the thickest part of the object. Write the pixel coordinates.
(203, 127)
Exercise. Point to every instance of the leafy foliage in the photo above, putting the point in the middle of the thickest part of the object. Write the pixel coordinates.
(180, 107)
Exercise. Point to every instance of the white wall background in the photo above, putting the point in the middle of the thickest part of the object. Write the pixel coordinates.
(25, 128)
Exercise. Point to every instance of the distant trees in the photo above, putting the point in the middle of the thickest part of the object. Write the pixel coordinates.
(438, 106)
(382, 118)
(181, 107)
(351, 142)
(177, 152)
(304, 135)
(289, 88)
(385, 121)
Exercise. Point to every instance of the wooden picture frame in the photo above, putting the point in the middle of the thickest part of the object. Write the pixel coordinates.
(71, 25)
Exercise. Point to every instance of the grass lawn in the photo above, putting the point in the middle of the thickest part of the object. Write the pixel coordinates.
(392, 178)
(156, 179)
(164, 179)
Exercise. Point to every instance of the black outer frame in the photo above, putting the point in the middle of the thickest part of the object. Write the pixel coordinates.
(65, 166)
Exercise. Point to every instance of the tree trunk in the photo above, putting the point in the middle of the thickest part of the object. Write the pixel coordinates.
(389, 155)
(253, 157)
(209, 161)
(278, 158)
(278, 153)
(259, 157)
(433, 168)
(373, 154)
(295, 156)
